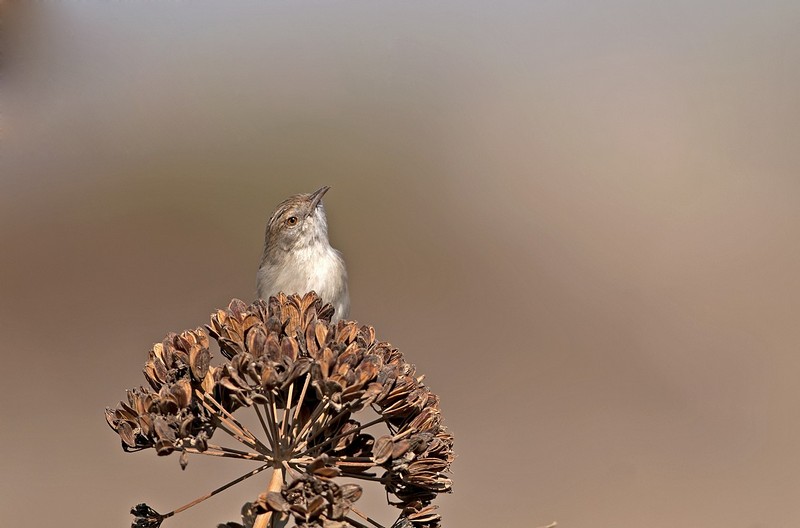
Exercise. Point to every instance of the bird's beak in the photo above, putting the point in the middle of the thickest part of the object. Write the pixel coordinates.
(316, 198)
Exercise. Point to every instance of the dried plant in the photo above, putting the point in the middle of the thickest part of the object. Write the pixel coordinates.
(309, 382)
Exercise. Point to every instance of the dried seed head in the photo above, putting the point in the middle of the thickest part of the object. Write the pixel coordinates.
(309, 381)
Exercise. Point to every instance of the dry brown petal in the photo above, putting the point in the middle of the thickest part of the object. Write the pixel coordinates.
(367, 334)
(185, 427)
(229, 383)
(157, 352)
(237, 307)
(318, 463)
(180, 342)
(383, 449)
(182, 392)
(162, 429)
(249, 320)
(290, 317)
(351, 492)
(164, 447)
(351, 356)
(201, 337)
(276, 502)
(167, 403)
(127, 411)
(355, 466)
(145, 424)
(230, 347)
(347, 433)
(315, 506)
(167, 351)
(310, 340)
(369, 368)
(320, 333)
(425, 514)
(400, 448)
(429, 418)
(208, 381)
(273, 347)
(418, 398)
(156, 372)
(257, 341)
(328, 472)
(346, 332)
(126, 433)
(270, 377)
(137, 402)
(289, 348)
(111, 417)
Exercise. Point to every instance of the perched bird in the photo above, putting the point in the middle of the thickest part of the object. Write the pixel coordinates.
(298, 257)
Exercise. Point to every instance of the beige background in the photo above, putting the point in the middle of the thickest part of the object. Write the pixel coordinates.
(581, 220)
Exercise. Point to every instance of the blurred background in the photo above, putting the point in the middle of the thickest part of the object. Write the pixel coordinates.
(581, 221)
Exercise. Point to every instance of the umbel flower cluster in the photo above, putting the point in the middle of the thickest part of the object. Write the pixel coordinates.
(323, 393)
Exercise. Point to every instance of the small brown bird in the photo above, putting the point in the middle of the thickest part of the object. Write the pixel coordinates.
(298, 257)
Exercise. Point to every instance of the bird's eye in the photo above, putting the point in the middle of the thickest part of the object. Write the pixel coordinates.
(292, 220)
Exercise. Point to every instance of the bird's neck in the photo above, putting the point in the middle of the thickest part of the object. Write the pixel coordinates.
(300, 255)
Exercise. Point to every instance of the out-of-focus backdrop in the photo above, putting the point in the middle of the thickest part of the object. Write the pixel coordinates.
(581, 221)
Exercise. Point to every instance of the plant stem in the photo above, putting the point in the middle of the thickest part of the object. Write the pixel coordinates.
(275, 484)
(225, 452)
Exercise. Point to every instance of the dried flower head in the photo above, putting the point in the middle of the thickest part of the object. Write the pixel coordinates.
(318, 389)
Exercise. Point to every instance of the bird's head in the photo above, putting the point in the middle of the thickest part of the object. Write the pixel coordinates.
(299, 221)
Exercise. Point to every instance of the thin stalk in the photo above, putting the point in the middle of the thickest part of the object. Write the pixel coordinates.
(230, 427)
(218, 490)
(320, 422)
(273, 416)
(272, 441)
(219, 409)
(224, 452)
(366, 517)
(368, 463)
(321, 406)
(352, 460)
(355, 523)
(221, 425)
(288, 407)
(242, 429)
(360, 476)
(291, 469)
(301, 460)
(345, 409)
(332, 419)
(302, 398)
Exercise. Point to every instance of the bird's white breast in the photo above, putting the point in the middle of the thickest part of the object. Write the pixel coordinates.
(316, 267)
